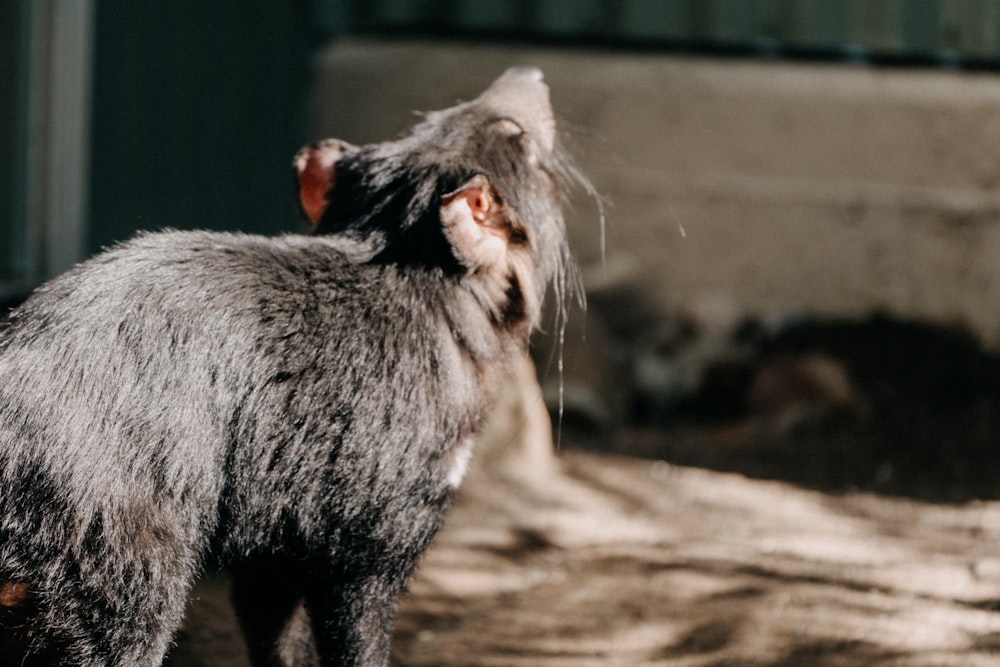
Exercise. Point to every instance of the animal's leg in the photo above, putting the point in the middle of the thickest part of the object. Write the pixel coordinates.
(269, 598)
(85, 623)
(352, 620)
(114, 596)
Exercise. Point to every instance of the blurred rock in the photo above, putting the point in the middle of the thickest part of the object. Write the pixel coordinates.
(517, 440)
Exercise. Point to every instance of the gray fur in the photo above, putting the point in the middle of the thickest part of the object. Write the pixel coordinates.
(290, 407)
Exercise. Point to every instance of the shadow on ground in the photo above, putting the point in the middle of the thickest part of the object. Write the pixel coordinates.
(617, 561)
(884, 405)
(629, 562)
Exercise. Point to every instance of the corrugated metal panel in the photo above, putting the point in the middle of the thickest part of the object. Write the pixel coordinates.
(944, 31)
(13, 116)
(196, 115)
(44, 105)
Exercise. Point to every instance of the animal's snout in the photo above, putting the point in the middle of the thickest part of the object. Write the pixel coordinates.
(522, 95)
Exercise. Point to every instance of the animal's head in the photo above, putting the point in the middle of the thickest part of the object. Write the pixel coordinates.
(474, 191)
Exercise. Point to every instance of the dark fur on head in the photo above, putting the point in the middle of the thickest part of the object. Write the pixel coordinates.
(508, 135)
(300, 409)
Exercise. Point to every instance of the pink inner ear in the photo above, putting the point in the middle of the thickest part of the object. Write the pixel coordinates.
(479, 203)
(316, 166)
(473, 223)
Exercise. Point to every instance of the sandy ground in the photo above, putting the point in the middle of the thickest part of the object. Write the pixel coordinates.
(617, 561)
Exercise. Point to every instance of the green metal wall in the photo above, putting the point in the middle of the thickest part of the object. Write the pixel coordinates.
(13, 115)
(941, 31)
(197, 113)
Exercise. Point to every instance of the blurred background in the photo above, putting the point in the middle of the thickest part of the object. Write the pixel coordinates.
(799, 264)
(792, 271)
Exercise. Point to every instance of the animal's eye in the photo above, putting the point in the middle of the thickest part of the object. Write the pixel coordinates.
(508, 127)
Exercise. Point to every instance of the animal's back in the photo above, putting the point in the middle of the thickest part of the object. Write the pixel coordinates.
(184, 350)
(300, 408)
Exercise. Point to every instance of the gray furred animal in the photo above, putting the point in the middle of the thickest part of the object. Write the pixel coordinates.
(299, 409)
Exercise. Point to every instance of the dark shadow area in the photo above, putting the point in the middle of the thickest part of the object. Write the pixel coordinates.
(837, 654)
(880, 404)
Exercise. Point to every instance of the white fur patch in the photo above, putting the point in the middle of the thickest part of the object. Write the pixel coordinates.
(460, 458)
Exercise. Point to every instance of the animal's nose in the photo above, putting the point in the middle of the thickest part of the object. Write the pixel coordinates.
(529, 73)
(520, 80)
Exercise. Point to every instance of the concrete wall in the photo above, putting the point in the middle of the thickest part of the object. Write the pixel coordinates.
(773, 186)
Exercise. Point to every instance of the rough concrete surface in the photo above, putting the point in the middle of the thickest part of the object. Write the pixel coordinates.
(835, 188)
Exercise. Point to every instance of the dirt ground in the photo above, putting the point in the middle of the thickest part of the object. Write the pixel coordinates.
(618, 561)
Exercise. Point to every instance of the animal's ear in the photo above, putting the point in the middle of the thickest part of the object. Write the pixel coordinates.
(476, 225)
(316, 171)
